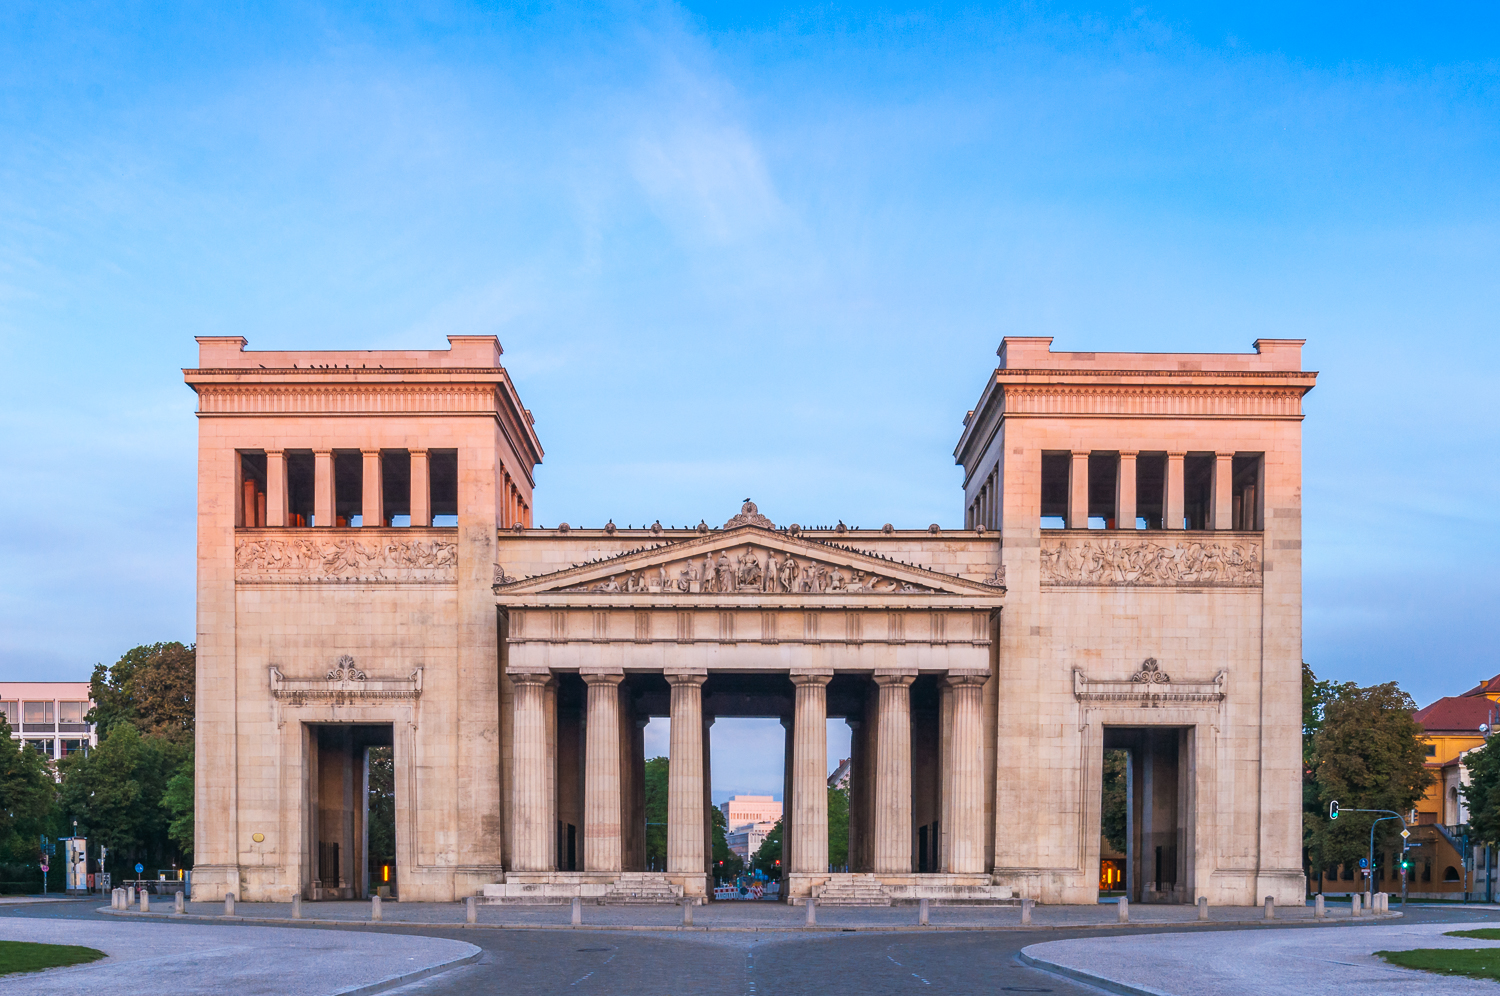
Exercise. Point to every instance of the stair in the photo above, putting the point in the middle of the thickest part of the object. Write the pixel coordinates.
(852, 889)
(641, 889)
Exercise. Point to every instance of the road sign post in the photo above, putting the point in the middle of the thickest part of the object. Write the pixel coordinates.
(1333, 814)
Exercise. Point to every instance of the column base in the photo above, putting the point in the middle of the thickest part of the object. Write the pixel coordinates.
(596, 888)
(880, 889)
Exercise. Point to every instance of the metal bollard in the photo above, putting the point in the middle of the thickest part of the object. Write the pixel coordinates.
(1354, 904)
(1203, 907)
(374, 907)
(687, 912)
(1026, 912)
(180, 903)
(297, 906)
(922, 912)
(1270, 907)
(145, 901)
(229, 904)
(1319, 911)
(577, 911)
(1124, 910)
(471, 910)
(812, 911)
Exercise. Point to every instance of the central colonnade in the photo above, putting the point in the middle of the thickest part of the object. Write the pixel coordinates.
(916, 777)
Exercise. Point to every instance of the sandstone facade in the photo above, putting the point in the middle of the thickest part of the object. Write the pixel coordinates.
(370, 575)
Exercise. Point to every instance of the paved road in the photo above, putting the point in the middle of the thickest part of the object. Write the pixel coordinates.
(782, 964)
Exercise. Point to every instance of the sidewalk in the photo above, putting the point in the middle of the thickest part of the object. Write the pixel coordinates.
(743, 916)
(1259, 963)
(191, 959)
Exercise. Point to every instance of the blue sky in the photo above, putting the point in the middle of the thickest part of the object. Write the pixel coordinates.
(760, 250)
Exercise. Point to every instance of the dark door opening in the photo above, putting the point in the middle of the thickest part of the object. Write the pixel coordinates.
(351, 826)
(1146, 787)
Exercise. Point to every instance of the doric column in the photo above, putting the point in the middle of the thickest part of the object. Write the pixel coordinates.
(893, 775)
(601, 784)
(708, 795)
(1172, 516)
(549, 703)
(421, 489)
(322, 488)
(809, 809)
(275, 487)
(372, 497)
(1223, 491)
(685, 776)
(964, 774)
(1078, 492)
(531, 803)
(945, 773)
(857, 761)
(788, 727)
(1125, 491)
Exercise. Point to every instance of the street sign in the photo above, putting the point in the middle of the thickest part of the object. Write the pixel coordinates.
(1405, 834)
(1364, 862)
(139, 867)
(44, 866)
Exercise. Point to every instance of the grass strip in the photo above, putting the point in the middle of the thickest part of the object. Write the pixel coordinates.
(24, 956)
(1482, 933)
(1473, 963)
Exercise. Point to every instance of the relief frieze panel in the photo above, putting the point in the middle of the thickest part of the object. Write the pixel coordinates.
(1149, 563)
(749, 569)
(349, 560)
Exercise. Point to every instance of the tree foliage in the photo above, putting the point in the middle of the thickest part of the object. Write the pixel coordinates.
(115, 792)
(838, 827)
(768, 855)
(1482, 794)
(727, 864)
(1367, 753)
(1113, 801)
(657, 770)
(1315, 698)
(150, 687)
(178, 802)
(27, 794)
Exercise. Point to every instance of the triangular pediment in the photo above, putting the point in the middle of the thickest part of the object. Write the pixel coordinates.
(748, 560)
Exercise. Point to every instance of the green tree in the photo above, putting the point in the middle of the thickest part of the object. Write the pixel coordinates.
(27, 794)
(1482, 794)
(727, 864)
(1367, 754)
(382, 812)
(115, 792)
(150, 687)
(178, 802)
(1315, 698)
(838, 827)
(1112, 816)
(657, 770)
(768, 856)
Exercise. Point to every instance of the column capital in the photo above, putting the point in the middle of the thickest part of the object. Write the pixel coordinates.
(279, 451)
(324, 452)
(686, 677)
(895, 679)
(417, 451)
(811, 678)
(953, 680)
(602, 677)
(370, 452)
(1132, 454)
(1224, 454)
(530, 677)
(1176, 454)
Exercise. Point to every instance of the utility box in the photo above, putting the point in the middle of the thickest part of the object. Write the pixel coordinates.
(76, 865)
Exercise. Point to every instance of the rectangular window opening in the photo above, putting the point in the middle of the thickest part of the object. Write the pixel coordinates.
(1197, 490)
(1056, 469)
(1247, 491)
(1104, 473)
(395, 487)
(1150, 490)
(39, 712)
(8, 710)
(442, 468)
(252, 490)
(301, 469)
(348, 487)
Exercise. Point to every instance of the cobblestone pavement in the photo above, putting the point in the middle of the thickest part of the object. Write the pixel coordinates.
(754, 915)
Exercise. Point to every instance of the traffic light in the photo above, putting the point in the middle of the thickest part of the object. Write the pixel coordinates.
(1333, 810)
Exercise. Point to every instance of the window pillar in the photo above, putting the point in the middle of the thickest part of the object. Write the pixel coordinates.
(1223, 491)
(275, 487)
(322, 487)
(421, 490)
(1125, 491)
(1078, 491)
(1172, 518)
(372, 497)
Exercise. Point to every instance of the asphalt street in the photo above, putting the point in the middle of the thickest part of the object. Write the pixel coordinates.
(620, 963)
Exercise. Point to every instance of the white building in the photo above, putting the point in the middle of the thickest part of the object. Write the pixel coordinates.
(49, 716)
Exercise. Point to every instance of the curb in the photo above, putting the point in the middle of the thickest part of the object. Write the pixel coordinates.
(1097, 981)
(394, 981)
(677, 928)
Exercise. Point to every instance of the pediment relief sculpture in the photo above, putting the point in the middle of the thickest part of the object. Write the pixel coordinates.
(748, 569)
(1145, 563)
(346, 560)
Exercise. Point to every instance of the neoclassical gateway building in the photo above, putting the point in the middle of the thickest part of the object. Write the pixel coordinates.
(1128, 575)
